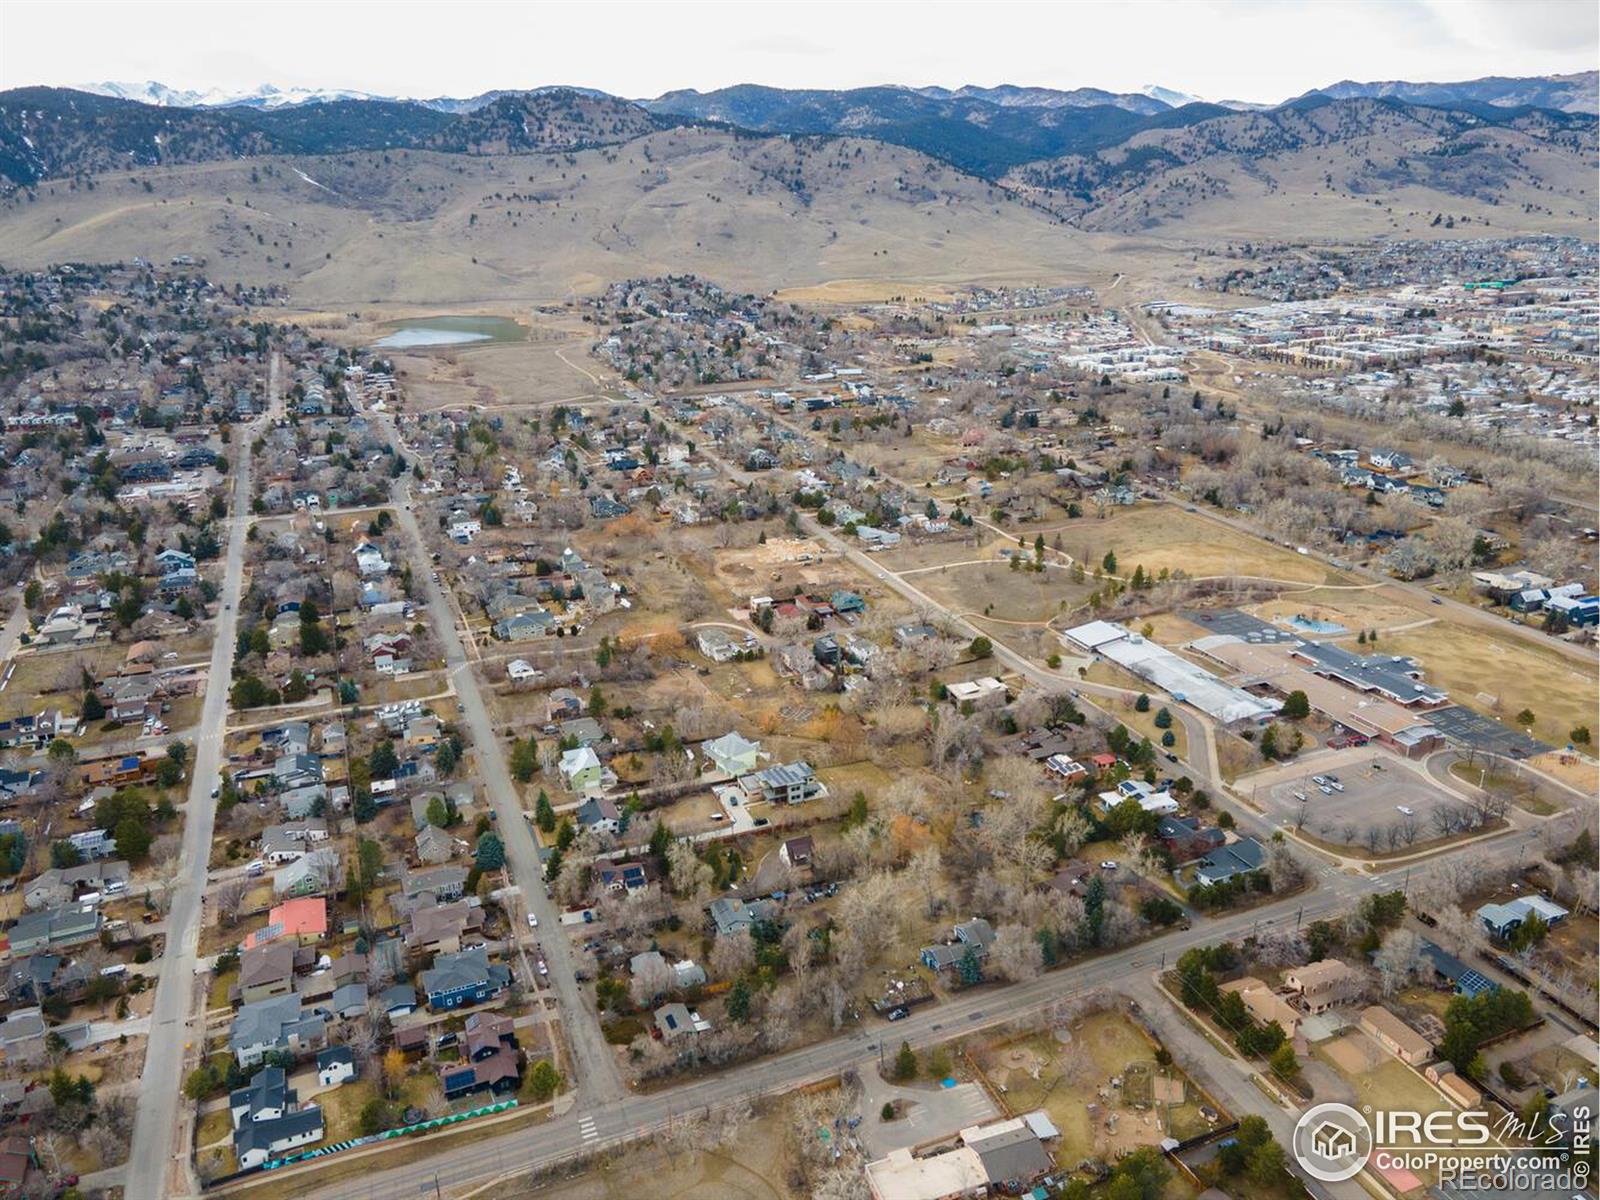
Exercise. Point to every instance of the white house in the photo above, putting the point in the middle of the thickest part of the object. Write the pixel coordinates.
(581, 768)
(335, 1065)
(370, 560)
(732, 753)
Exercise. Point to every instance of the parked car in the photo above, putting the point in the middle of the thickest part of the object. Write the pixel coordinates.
(1109, 864)
(899, 1014)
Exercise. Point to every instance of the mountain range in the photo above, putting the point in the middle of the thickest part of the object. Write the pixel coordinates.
(1074, 141)
(554, 191)
(1569, 93)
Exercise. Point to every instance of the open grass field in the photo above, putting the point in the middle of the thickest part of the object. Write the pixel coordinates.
(1163, 535)
(1518, 674)
(503, 377)
(48, 672)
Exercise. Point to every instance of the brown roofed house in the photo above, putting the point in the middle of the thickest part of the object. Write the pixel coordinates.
(1395, 1036)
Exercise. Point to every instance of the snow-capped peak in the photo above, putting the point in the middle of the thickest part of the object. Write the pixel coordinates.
(265, 96)
(1168, 95)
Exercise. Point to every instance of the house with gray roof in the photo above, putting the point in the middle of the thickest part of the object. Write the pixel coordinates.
(279, 1023)
(258, 1142)
(1227, 862)
(729, 914)
(69, 925)
(22, 1036)
(784, 783)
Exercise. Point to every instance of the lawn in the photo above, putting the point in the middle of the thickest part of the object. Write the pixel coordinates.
(1519, 789)
(992, 589)
(213, 1129)
(844, 781)
(217, 996)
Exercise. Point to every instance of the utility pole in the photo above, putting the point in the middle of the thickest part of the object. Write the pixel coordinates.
(1298, 913)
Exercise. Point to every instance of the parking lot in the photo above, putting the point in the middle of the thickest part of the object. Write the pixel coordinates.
(1376, 794)
(1238, 624)
(1467, 728)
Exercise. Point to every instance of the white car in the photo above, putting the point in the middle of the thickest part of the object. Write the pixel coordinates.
(1108, 865)
(1319, 780)
(533, 921)
(1300, 796)
(1325, 790)
(1403, 809)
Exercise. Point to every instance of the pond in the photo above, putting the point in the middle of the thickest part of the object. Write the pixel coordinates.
(419, 333)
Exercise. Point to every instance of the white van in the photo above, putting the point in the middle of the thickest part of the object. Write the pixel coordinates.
(115, 887)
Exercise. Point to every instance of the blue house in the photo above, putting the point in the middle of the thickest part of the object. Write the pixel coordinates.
(1502, 920)
(847, 602)
(457, 980)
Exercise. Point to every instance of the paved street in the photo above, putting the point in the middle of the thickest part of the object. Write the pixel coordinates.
(605, 1112)
(156, 1145)
(594, 1065)
(587, 1127)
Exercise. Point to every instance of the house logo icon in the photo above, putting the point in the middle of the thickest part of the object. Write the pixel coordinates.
(1332, 1142)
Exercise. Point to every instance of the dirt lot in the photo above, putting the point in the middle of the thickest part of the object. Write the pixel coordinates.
(990, 588)
(1099, 1082)
(799, 562)
(1354, 608)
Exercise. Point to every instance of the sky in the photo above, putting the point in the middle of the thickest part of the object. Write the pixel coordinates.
(1256, 50)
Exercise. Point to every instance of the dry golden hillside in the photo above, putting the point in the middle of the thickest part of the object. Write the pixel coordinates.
(413, 226)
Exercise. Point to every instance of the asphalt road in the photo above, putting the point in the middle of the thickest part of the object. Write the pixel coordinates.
(155, 1131)
(586, 1129)
(594, 1066)
(607, 1114)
